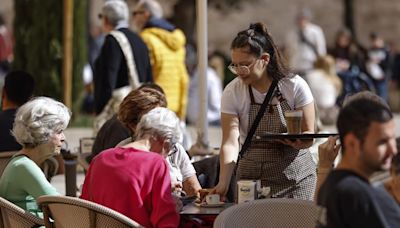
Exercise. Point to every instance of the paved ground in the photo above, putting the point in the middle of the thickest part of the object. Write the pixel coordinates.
(74, 134)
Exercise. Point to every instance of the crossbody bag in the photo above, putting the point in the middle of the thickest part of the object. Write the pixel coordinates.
(119, 94)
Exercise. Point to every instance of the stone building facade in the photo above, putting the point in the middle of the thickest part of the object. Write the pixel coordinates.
(382, 16)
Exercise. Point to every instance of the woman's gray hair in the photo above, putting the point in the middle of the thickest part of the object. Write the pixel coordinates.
(117, 12)
(162, 123)
(39, 119)
(153, 7)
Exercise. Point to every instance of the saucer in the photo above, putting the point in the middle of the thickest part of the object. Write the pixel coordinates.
(204, 204)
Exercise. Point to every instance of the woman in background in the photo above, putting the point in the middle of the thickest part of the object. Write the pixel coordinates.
(326, 86)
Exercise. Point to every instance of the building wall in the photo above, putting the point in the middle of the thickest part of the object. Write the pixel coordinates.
(278, 15)
(382, 16)
(7, 9)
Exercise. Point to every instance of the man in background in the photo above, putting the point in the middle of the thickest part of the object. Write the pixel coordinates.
(111, 70)
(18, 89)
(305, 43)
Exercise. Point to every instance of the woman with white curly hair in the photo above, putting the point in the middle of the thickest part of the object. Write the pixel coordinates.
(134, 181)
(39, 127)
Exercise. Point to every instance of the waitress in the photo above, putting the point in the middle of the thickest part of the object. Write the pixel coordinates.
(284, 166)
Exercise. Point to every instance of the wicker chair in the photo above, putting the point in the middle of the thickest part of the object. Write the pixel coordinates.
(14, 216)
(5, 157)
(283, 213)
(78, 213)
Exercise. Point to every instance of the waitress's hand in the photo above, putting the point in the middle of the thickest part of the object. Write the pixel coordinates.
(221, 189)
(298, 144)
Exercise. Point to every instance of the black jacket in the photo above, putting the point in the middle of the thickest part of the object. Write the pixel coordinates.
(111, 72)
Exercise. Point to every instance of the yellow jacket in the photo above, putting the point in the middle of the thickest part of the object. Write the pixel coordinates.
(167, 57)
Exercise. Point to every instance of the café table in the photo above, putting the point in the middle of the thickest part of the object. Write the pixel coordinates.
(193, 215)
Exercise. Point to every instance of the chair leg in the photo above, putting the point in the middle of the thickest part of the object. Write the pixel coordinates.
(92, 217)
(46, 212)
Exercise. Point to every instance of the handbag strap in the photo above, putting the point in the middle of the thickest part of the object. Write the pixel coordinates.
(257, 120)
(313, 47)
(130, 61)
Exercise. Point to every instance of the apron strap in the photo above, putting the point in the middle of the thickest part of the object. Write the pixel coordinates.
(251, 95)
(257, 120)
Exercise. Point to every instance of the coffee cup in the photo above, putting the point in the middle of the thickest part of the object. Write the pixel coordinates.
(293, 121)
(212, 199)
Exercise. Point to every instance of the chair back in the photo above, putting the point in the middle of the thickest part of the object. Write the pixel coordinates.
(85, 150)
(74, 212)
(5, 157)
(275, 212)
(14, 216)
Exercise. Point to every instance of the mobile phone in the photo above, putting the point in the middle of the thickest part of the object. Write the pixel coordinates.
(188, 199)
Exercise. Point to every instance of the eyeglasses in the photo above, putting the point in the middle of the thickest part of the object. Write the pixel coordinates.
(173, 150)
(137, 12)
(240, 69)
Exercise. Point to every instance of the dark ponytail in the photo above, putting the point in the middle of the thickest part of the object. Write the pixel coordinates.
(258, 40)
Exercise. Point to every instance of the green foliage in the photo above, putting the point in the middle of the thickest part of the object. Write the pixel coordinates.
(38, 44)
(80, 50)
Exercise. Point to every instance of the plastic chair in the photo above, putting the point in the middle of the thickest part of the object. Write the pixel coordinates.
(14, 216)
(74, 212)
(5, 157)
(281, 213)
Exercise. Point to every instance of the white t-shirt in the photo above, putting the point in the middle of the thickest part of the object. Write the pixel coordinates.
(236, 98)
(180, 166)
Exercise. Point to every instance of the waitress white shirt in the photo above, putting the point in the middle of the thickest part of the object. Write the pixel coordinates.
(236, 99)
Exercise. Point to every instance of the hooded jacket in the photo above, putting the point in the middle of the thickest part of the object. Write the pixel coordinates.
(166, 46)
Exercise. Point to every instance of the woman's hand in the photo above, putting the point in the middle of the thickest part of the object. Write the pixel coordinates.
(220, 189)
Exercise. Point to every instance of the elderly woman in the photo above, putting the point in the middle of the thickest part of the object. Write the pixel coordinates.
(137, 103)
(182, 172)
(38, 127)
(134, 179)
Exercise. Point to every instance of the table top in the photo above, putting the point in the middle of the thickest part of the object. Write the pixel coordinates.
(193, 209)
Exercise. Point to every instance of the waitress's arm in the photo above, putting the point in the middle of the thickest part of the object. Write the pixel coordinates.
(308, 121)
(229, 151)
